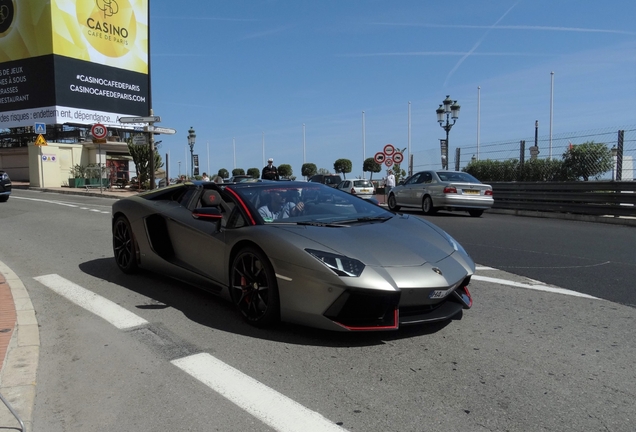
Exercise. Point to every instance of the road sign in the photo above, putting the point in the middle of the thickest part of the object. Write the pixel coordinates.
(164, 130)
(379, 158)
(40, 128)
(40, 141)
(99, 131)
(389, 149)
(149, 119)
(388, 162)
(139, 139)
(398, 157)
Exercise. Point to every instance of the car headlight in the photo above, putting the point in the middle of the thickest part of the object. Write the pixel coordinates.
(339, 264)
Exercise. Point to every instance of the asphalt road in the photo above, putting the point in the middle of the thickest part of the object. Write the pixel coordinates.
(519, 360)
(592, 258)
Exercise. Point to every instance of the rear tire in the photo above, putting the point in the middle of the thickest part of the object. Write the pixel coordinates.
(427, 206)
(124, 246)
(253, 288)
(4, 198)
(475, 213)
(393, 203)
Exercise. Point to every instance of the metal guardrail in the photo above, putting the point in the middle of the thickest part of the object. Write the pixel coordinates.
(589, 198)
(15, 414)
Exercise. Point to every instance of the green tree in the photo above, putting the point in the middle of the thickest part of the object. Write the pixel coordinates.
(254, 172)
(587, 160)
(308, 170)
(140, 155)
(370, 165)
(285, 170)
(342, 166)
(238, 171)
(223, 173)
(398, 172)
(323, 171)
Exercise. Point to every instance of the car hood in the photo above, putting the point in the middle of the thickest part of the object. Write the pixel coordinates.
(402, 241)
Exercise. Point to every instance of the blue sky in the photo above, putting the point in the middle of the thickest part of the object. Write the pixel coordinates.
(238, 70)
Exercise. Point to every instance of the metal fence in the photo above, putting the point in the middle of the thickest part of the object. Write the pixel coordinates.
(616, 164)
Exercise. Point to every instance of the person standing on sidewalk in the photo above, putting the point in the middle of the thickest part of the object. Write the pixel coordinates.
(390, 182)
(270, 172)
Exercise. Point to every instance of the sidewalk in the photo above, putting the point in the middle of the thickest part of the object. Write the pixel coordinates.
(19, 351)
(106, 192)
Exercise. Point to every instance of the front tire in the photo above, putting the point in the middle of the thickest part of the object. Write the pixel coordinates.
(124, 246)
(475, 213)
(393, 203)
(253, 288)
(427, 206)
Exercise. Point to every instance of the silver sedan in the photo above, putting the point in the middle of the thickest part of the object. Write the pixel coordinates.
(442, 190)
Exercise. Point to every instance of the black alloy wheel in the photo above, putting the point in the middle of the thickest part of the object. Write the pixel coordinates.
(427, 206)
(393, 203)
(253, 288)
(124, 246)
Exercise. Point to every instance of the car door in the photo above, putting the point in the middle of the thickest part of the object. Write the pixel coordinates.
(408, 194)
(199, 244)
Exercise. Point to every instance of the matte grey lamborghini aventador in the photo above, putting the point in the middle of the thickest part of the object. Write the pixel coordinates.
(296, 251)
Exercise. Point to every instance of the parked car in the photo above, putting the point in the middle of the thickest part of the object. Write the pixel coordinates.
(5, 186)
(296, 252)
(359, 187)
(332, 180)
(241, 178)
(442, 190)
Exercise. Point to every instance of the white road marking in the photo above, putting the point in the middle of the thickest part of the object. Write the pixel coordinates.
(100, 306)
(269, 406)
(536, 287)
(272, 408)
(484, 268)
(65, 204)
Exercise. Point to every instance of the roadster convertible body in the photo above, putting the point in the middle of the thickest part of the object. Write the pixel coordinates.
(297, 252)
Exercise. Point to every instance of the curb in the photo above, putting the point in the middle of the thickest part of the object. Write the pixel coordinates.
(19, 366)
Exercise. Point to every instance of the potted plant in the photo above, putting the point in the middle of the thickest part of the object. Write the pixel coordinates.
(78, 174)
(93, 173)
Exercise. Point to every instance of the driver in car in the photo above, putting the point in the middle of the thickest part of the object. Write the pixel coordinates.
(277, 207)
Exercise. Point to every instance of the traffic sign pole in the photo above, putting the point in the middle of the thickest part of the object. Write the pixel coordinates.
(150, 129)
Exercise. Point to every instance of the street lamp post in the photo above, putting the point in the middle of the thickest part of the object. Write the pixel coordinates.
(191, 139)
(614, 152)
(450, 108)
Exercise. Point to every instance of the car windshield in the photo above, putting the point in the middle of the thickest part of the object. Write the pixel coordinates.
(362, 183)
(307, 204)
(456, 177)
(332, 180)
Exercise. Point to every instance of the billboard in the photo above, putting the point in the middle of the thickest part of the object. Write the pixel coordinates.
(73, 61)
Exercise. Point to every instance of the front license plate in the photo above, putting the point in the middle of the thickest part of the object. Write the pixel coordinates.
(471, 192)
(438, 294)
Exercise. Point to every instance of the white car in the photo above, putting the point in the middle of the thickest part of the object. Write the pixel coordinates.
(442, 190)
(359, 187)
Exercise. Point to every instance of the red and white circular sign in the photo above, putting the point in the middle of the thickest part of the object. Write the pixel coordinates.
(379, 158)
(398, 157)
(389, 149)
(388, 162)
(99, 131)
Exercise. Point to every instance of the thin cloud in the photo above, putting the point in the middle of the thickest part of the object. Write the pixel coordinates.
(266, 33)
(446, 53)
(199, 18)
(509, 27)
(461, 60)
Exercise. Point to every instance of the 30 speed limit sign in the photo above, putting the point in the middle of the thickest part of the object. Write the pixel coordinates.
(99, 131)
